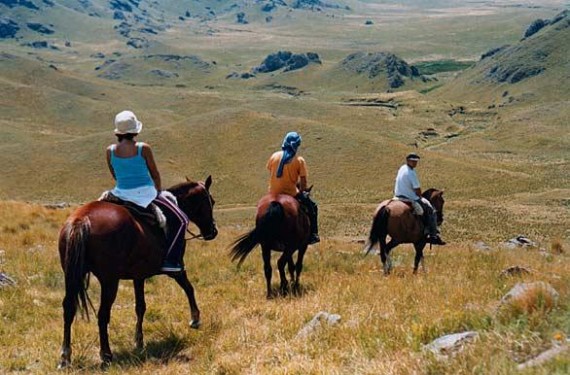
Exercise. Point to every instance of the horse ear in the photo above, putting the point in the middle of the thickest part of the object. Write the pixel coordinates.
(309, 189)
(208, 182)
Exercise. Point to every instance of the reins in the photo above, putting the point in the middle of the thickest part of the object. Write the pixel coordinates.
(194, 236)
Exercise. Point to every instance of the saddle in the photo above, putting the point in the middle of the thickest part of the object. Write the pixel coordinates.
(423, 218)
(152, 215)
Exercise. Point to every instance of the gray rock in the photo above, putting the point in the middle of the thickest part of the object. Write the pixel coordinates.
(544, 356)
(451, 344)
(518, 241)
(318, 320)
(515, 271)
(482, 246)
(22, 3)
(380, 64)
(494, 51)
(163, 73)
(6, 280)
(8, 28)
(535, 27)
(527, 292)
(138, 43)
(38, 27)
(287, 60)
(240, 18)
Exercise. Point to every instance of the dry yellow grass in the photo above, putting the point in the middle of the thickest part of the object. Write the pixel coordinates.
(385, 320)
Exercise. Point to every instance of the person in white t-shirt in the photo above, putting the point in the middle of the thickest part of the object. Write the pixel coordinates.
(408, 188)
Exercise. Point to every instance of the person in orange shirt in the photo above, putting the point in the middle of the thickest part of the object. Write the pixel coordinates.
(286, 170)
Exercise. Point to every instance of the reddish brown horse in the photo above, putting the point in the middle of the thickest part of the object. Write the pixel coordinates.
(396, 219)
(282, 226)
(104, 239)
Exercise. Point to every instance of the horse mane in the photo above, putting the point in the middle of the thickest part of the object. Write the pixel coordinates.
(428, 193)
(182, 187)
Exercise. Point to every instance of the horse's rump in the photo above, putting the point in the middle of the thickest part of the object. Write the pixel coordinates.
(402, 224)
(114, 236)
(294, 227)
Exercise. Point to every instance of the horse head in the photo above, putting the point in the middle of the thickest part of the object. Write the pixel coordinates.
(437, 201)
(195, 200)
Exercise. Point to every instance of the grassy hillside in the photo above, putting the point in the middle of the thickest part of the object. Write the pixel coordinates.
(384, 321)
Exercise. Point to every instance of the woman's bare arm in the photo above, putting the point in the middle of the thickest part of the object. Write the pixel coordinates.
(147, 155)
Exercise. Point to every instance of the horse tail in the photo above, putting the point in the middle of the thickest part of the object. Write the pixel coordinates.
(266, 228)
(379, 228)
(76, 274)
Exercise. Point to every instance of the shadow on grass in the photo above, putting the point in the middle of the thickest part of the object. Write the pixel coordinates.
(302, 290)
(163, 351)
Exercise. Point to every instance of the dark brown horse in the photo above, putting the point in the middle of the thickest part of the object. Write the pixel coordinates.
(396, 219)
(282, 226)
(104, 239)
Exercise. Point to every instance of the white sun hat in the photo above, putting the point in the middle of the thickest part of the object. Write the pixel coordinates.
(126, 123)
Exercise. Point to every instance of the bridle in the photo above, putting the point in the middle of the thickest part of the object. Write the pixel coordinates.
(199, 235)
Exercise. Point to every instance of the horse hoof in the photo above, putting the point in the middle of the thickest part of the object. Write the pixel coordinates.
(63, 364)
(105, 365)
(195, 324)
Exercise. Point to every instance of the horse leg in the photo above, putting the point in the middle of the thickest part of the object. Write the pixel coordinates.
(392, 244)
(69, 310)
(419, 246)
(284, 287)
(384, 255)
(298, 269)
(140, 308)
(108, 295)
(291, 267)
(182, 279)
(266, 254)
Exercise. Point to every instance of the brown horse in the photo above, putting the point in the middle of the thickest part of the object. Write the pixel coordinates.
(397, 219)
(280, 225)
(104, 239)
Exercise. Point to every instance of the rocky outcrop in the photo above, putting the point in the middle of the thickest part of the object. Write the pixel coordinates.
(8, 28)
(380, 64)
(41, 44)
(164, 73)
(138, 43)
(20, 3)
(528, 58)
(287, 61)
(240, 18)
(494, 51)
(123, 5)
(38, 27)
(316, 5)
(535, 27)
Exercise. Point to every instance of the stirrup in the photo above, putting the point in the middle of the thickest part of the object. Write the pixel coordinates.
(171, 267)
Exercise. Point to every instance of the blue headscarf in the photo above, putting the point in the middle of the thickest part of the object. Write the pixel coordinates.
(291, 143)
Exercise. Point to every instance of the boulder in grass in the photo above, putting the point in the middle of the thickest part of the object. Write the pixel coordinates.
(527, 298)
(515, 271)
(481, 246)
(450, 344)
(518, 241)
(318, 320)
(6, 280)
(545, 356)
